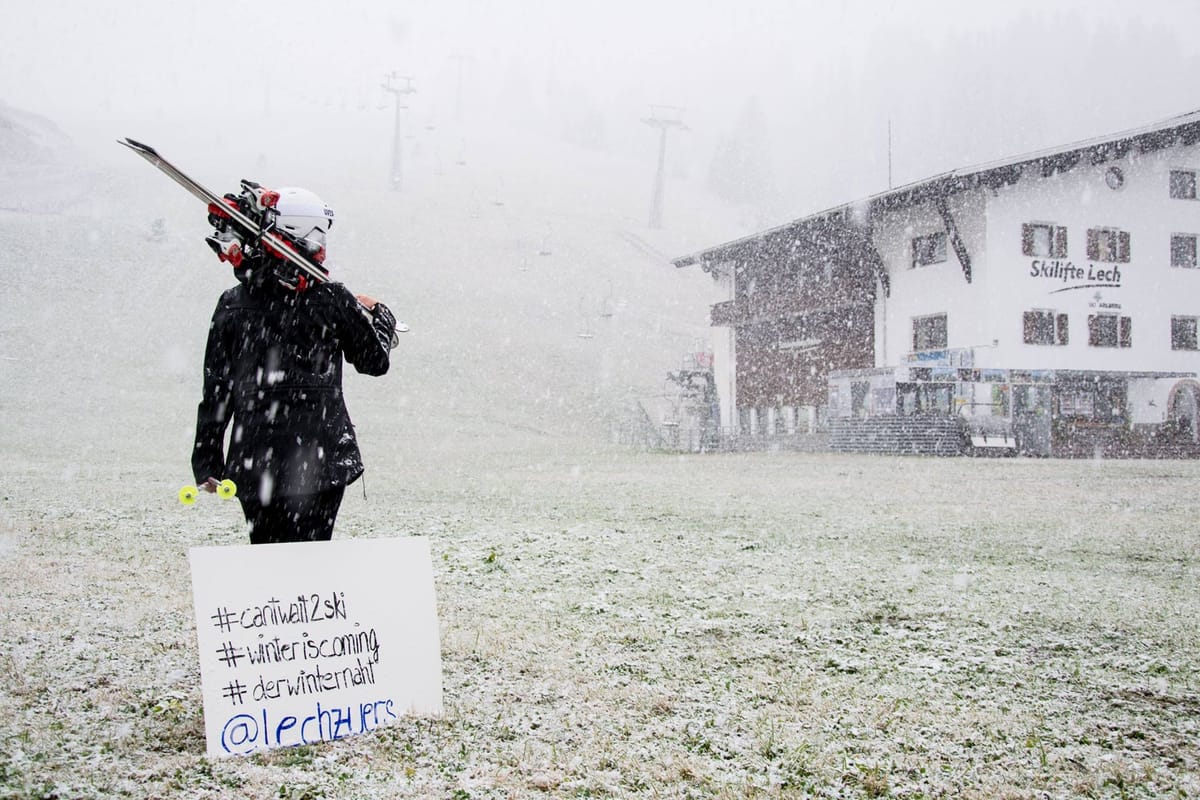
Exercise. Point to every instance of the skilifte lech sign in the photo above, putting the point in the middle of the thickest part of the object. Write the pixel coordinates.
(303, 643)
(1067, 277)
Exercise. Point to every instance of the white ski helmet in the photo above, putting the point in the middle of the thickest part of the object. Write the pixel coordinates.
(303, 215)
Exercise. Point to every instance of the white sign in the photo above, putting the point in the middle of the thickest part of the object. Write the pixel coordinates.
(309, 642)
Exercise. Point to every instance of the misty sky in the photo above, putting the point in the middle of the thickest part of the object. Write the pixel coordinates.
(960, 82)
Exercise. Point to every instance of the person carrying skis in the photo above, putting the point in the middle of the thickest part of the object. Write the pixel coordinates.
(273, 369)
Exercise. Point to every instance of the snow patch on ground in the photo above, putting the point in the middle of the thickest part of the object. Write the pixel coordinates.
(616, 624)
(613, 623)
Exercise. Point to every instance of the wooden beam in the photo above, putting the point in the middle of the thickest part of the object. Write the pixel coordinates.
(960, 249)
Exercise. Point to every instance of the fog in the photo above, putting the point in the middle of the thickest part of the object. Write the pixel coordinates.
(613, 622)
(958, 83)
(518, 246)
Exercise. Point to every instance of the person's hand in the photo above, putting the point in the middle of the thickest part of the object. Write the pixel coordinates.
(367, 302)
(210, 485)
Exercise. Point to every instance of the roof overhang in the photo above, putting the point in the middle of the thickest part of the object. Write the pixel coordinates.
(1183, 129)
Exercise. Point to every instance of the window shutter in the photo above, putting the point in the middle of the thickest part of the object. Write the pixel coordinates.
(1061, 330)
(1093, 245)
(935, 248)
(1060, 242)
(1123, 247)
(1027, 239)
(1030, 322)
(1126, 332)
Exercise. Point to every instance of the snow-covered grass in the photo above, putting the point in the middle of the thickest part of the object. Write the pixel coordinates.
(618, 625)
(613, 624)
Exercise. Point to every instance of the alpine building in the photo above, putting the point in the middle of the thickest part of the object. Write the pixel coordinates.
(1046, 304)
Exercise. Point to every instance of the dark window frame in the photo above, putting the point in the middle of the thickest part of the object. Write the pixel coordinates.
(1181, 184)
(929, 249)
(1056, 239)
(1116, 245)
(1110, 330)
(1042, 326)
(1103, 401)
(1184, 330)
(931, 334)
(1183, 256)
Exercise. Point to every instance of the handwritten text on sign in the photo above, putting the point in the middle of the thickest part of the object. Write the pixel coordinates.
(297, 647)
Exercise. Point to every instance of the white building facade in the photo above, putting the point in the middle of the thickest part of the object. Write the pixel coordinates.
(1048, 304)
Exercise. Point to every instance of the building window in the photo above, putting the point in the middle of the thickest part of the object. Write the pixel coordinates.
(883, 401)
(1045, 327)
(1093, 400)
(929, 249)
(1001, 400)
(1183, 184)
(1110, 330)
(1183, 333)
(1183, 250)
(858, 398)
(929, 333)
(924, 398)
(1108, 244)
(1077, 400)
(1041, 239)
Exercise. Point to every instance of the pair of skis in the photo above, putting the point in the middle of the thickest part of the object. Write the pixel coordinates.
(274, 242)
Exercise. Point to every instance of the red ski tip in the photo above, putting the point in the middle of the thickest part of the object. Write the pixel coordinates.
(136, 145)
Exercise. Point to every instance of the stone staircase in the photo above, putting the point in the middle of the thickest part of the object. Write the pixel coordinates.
(895, 435)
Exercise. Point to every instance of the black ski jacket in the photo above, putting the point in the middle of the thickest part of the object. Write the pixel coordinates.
(273, 367)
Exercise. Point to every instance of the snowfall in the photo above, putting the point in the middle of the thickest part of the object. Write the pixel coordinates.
(614, 621)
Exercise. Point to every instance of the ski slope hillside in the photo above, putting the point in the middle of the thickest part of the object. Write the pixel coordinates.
(541, 306)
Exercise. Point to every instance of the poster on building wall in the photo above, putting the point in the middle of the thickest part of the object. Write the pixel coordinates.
(315, 641)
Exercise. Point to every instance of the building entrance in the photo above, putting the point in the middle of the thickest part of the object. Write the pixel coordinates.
(1031, 419)
(1185, 409)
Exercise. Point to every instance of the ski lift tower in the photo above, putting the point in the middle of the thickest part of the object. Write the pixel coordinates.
(399, 86)
(664, 118)
(460, 60)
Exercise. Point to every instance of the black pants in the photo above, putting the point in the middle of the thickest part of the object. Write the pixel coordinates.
(300, 518)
